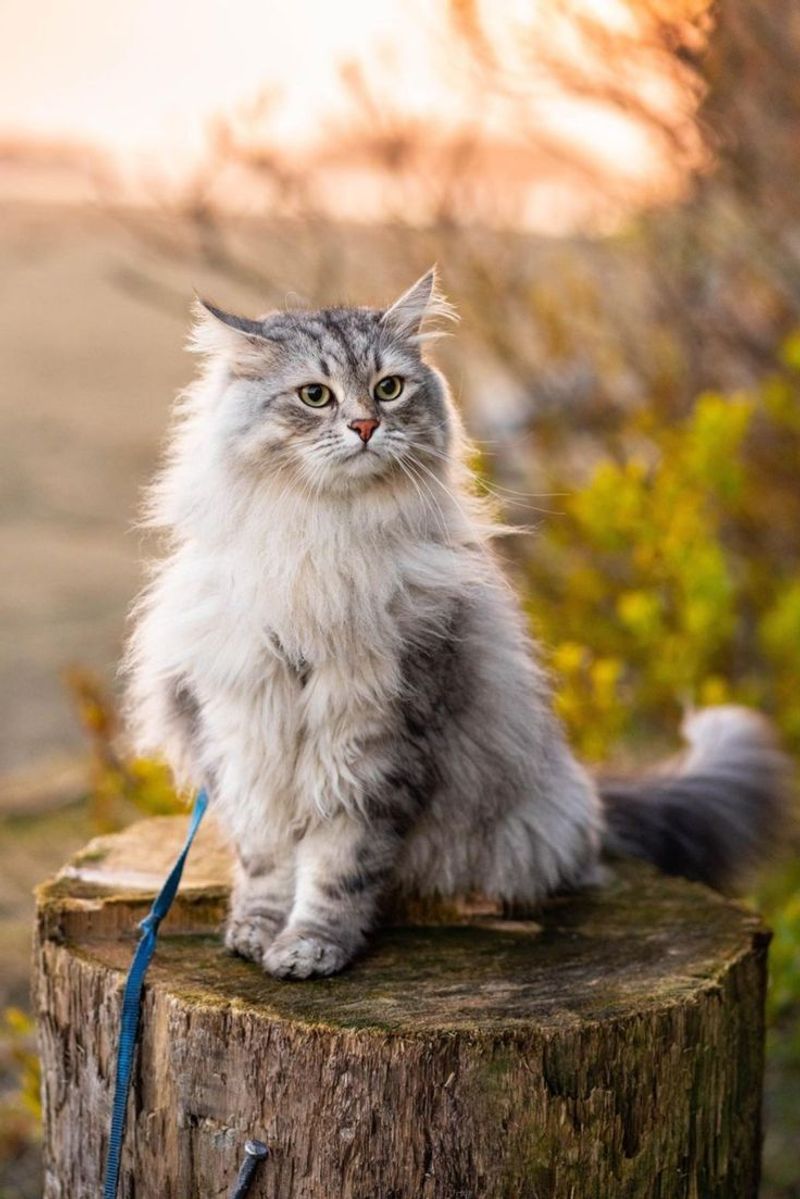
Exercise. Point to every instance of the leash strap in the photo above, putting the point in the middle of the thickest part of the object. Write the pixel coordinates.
(132, 999)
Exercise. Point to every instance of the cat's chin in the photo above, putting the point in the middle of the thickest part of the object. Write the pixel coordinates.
(356, 471)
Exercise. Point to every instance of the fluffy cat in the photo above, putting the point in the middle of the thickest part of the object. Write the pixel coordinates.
(330, 647)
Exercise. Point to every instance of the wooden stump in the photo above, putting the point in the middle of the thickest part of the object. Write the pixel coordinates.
(611, 1049)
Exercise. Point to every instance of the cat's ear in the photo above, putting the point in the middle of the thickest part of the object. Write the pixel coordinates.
(218, 332)
(418, 308)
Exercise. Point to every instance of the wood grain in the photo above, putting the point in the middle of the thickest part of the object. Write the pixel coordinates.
(610, 1048)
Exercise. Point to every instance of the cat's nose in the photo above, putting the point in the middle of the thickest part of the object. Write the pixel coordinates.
(364, 428)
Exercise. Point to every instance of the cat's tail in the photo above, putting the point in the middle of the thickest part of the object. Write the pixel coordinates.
(713, 813)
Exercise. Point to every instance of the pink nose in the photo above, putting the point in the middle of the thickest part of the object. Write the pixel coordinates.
(364, 428)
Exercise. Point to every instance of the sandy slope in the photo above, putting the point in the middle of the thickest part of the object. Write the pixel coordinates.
(88, 372)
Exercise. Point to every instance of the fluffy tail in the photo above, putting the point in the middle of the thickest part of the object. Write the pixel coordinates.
(716, 811)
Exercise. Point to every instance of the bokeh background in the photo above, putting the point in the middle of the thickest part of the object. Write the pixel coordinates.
(612, 191)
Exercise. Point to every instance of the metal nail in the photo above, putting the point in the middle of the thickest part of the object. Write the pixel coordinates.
(255, 1152)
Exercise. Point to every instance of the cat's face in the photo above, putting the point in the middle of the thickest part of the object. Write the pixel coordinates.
(335, 399)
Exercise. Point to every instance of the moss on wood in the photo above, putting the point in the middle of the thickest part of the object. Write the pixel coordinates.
(610, 1047)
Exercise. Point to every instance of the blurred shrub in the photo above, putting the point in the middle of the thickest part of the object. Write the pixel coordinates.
(669, 580)
(118, 780)
(18, 1040)
(673, 579)
(20, 1108)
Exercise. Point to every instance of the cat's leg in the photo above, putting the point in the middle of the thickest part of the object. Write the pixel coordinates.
(344, 866)
(263, 893)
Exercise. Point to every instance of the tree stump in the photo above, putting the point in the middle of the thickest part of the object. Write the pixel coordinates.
(611, 1048)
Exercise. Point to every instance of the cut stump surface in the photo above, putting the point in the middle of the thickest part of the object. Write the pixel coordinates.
(612, 1048)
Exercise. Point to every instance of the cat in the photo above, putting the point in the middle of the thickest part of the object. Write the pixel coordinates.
(330, 647)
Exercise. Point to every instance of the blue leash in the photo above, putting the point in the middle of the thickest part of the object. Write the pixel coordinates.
(132, 998)
(256, 1151)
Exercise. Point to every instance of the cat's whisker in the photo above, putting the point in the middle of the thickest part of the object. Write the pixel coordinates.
(411, 479)
(499, 487)
(428, 449)
(495, 490)
(526, 495)
(510, 501)
(432, 475)
(416, 483)
(294, 479)
(310, 490)
(419, 482)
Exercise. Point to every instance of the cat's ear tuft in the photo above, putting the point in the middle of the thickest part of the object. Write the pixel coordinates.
(218, 332)
(241, 324)
(419, 308)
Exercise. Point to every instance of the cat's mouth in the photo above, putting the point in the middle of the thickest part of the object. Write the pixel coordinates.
(363, 462)
(362, 451)
(356, 464)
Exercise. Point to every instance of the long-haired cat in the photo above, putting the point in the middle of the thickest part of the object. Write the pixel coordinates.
(330, 647)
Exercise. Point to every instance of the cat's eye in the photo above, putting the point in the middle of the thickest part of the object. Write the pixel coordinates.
(389, 388)
(316, 395)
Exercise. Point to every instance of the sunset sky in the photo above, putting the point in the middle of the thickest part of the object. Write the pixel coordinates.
(140, 75)
(142, 80)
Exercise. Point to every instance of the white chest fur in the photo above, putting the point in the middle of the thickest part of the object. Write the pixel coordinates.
(292, 638)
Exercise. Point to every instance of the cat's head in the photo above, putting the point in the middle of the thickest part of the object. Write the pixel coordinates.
(334, 399)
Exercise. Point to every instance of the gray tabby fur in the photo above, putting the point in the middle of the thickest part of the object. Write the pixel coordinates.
(329, 644)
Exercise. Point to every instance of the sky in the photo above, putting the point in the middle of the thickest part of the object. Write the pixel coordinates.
(143, 79)
(146, 76)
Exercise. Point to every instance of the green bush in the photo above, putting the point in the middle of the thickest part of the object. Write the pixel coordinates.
(672, 579)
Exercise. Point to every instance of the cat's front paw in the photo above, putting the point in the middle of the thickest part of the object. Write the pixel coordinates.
(250, 936)
(300, 954)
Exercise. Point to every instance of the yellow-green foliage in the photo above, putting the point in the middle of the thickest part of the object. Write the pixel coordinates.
(672, 579)
(20, 1108)
(667, 582)
(117, 778)
(18, 1036)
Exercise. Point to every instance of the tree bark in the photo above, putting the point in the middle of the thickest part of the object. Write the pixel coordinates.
(609, 1049)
